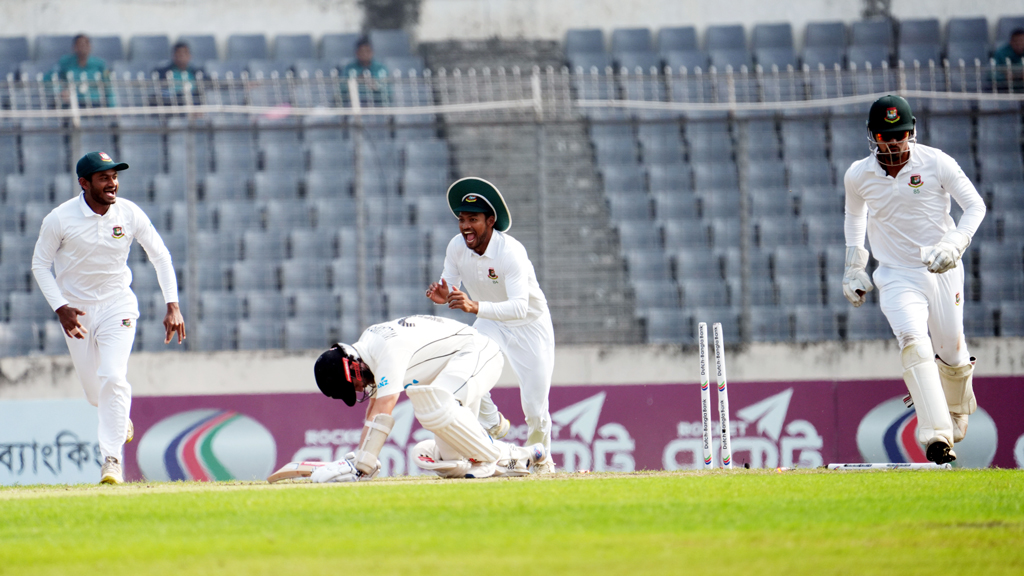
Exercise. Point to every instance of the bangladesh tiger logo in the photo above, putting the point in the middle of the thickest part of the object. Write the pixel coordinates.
(127, 322)
(118, 232)
(492, 274)
(915, 181)
(892, 115)
(957, 298)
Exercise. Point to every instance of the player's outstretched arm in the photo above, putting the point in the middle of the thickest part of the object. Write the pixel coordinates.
(173, 322)
(438, 292)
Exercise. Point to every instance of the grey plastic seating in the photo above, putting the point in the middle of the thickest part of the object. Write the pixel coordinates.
(871, 33)
(588, 63)
(923, 54)
(405, 65)
(666, 325)
(306, 274)
(695, 263)
(769, 324)
(149, 48)
(919, 31)
(799, 290)
(704, 291)
(584, 40)
(675, 205)
(724, 37)
(715, 176)
(823, 230)
(338, 47)
(795, 261)
(728, 316)
(247, 47)
(1007, 24)
(1001, 285)
(388, 43)
(689, 234)
(293, 46)
(640, 63)
(309, 335)
(202, 46)
(809, 173)
(872, 54)
(259, 245)
(306, 243)
(1011, 319)
(781, 58)
(287, 215)
(331, 156)
(107, 48)
(309, 304)
(967, 30)
(238, 216)
(647, 265)
(254, 275)
(814, 324)
(631, 40)
(260, 335)
(19, 338)
(730, 57)
(29, 307)
(677, 38)
(403, 271)
(265, 306)
(1001, 257)
(655, 293)
(273, 185)
(218, 305)
(426, 153)
(691, 60)
(827, 56)
(760, 262)
(766, 174)
(867, 323)
(14, 49)
(670, 177)
(638, 235)
(223, 186)
(775, 202)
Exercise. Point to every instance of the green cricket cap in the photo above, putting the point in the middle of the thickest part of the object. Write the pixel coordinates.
(94, 162)
(478, 195)
(890, 114)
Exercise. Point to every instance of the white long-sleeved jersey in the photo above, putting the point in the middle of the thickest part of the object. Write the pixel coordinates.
(502, 279)
(910, 211)
(89, 253)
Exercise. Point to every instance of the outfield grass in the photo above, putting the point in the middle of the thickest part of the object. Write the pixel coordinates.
(761, 522)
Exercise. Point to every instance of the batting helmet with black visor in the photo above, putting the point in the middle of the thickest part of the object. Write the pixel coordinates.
(337, 370)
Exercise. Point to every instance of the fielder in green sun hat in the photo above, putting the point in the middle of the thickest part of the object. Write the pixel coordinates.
(478, 195)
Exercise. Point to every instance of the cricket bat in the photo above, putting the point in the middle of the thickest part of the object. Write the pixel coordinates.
(294, 470)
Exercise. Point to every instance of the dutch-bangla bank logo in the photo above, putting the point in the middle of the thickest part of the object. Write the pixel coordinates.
(888, 433)
(207, 445)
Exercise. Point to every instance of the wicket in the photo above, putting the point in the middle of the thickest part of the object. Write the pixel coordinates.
(705, 396)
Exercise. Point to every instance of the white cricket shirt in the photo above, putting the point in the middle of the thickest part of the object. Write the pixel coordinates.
(502, 279)
(411, 350)
(909, 211)
(89, 253)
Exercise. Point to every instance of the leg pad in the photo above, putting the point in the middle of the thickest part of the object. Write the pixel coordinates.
(437, 411)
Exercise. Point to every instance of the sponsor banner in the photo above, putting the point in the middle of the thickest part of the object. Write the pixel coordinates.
(613, 428)
(48, 442)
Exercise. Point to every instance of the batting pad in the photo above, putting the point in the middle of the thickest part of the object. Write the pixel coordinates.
(437, 411)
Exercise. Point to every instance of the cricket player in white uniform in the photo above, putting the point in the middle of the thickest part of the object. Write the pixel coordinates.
(900, 196)
(86, 240)
(445, 368)
(495, 270)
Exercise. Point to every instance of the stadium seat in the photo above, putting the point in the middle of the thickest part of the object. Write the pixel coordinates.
(771, 232)
(919, 31)
(719, 176)
(666, 325)
(655, 294)
(631, 40)
(688, 234)
(704, 291)
(247, 47)
(28, 307)
(293, 47)
(724, 231)
(51, 47)
(923, 54)
(149, 48)
(967, 30)
(1005, 25)
(338, 47)
(18, 338)
(876, 55)
(724, 58)
(588, 63)
(970, 53)
(266, 69)
(799, 290)
(263, 245)
(261, 306)
(777, 57)
(404, 65)
(825, 34)
(1011, 319)
(690, 60)
(107, 48)
(770, 324)
(767, 174)
(728, 316)
(578, 41)
(867, 323)
(310, 335)
(14, 49)
(53, 339)
(724, 37)
(276, 185)
(871, 33)
(683, 38)
(1001, 257)
(814, 324)
(286, 215)
(310, 304)
(1001, 286)
(776, 201)
(641, 64)
(809, 173)
(690, 263)
(647, 265)
(202, 46)
(676, 205)
(827, 56)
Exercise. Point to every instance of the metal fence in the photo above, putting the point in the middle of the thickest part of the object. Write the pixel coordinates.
(300, 208)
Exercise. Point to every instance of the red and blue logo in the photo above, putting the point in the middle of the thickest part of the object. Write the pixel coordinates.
(207, 445)
(888, 433)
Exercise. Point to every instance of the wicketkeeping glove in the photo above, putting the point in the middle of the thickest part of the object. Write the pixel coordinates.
(944, 255)
(856, 278)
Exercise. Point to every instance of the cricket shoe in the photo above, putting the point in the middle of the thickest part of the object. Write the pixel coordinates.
(131, 432)
(110, 473)
(940, 452)
(500, 430)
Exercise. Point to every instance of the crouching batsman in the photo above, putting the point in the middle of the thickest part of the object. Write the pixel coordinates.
(446, 368)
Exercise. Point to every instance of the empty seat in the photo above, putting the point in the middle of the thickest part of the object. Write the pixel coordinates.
(685, 234)
(1001, 257)
(666, 325)
(218, 305)
(108, 48)
(690, 60)
(405, 65)
(655, 294)
(310, 304)
(202, 46)
(775, 57)
(827, 56)
(254, 275)
(771, 202)
(293, 46)
(388, 43)
(724, 37)
(339, 47)
(676, 177)
(247, 47)
(871, 33)
(149, 48)
(266, 306)
(767, 174)
(260, 335)
(287, 215)
(19, 338)
(587, 63)
(13, 49)
(762, 290)
(234, 158)
(809, 173)
(306, 273)
(51, 47)
(677, 38)
(631, 40)
(719, 176)
(310, 335)
(769, 324)
(967, 30)
(919, 31)
(724, 232)
(867, 323)
(276, 185)
(825, 34)
(970, 53)
(675, 205)
(331, 156)
(647, 265)
(308, 244)
(923, 54)
(582, 41)
(1011, 319)
(734, 58)
(238, 216)
(1001, 285)
(703, 290)
(814, 324)
(638, 235)
(799, 290)
(728, 316)
(695, 264)
(28, 307)
(263, 245)
(861, 56)
(824, 230)
(223, 186)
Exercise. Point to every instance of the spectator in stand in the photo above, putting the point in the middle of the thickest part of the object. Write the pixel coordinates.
(178, 71)
(80, 63)
(372, 74)
(1014, 53)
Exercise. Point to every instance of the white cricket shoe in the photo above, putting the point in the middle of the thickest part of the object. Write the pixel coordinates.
(500, 430)
(131, 432)
(110, 473)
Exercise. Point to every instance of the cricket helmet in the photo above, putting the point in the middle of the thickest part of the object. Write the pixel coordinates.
(890, 118)
(336, 371)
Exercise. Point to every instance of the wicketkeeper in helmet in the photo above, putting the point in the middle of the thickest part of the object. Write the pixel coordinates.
(899, 195)
(446, 368)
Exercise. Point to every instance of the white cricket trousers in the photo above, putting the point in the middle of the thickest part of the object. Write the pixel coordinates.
(470, 374)
(101, 361)
(920, 304)
(530, 350)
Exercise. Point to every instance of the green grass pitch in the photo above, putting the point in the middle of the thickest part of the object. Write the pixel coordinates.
(738, 522)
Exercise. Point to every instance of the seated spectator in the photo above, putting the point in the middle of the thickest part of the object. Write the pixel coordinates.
(1014, 52)
(372, 86)
(180, 67)
(80, 63)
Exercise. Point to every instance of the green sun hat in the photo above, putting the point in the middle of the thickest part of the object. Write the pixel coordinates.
(478, 195)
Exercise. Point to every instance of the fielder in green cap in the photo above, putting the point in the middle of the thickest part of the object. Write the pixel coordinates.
(899, 197)
(500, 286)
(86, 241)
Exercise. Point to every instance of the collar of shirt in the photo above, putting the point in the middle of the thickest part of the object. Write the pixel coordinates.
(493, 246)
(911, 164)
(87, 211)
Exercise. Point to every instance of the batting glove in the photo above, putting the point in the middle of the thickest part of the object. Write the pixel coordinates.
(340, 471)
(351, 459)
(944, 255)
(856, 282)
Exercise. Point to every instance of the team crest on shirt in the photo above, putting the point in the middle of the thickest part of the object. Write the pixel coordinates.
(127, 322)
(492, 274)
(118, 232)
(915, 181)
(957, 298)
(892, 115)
